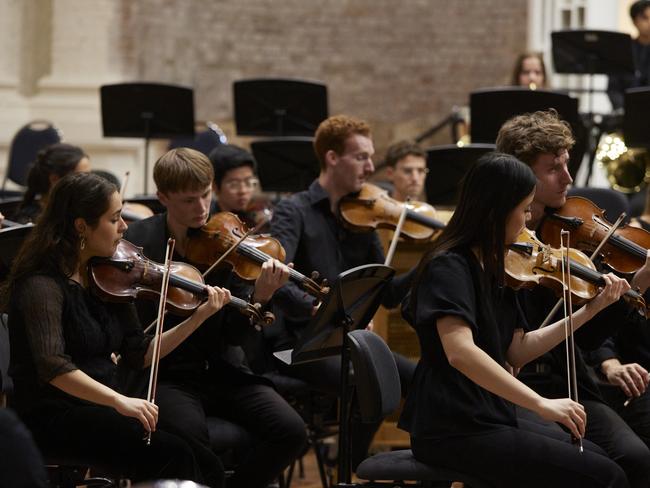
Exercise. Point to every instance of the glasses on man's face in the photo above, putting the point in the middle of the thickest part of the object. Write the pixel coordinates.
(247, 183)
(414, 171)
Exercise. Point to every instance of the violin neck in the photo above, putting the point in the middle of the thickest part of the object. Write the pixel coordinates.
(261, 257)
(629, 246)
(424, 220)
(595, 278)
(199, 289)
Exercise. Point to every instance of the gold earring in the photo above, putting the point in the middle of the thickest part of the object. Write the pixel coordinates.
(82, 242)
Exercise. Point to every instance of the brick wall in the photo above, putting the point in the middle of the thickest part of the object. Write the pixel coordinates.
(401, 64)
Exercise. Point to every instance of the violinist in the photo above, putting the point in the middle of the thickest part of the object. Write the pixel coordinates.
(308, 227)
(52, 163)
(460, 409)
(542, 141)
(407, 170)
(208, 375)
(62, 339)
(234, 182)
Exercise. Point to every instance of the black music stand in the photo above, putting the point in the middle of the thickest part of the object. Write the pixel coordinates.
(286, 164)
(635, 121)
(491, 107)
(149, 111)
(447, 165)
(271, 107)
(353, 300)
(590, 52)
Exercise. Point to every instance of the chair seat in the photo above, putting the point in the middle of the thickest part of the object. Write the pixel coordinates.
(401, 465)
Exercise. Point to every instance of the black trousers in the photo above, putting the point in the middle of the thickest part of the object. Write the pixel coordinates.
(325, 375)
(530, 455)
(100, 437)
(610, 432)
(21, 464)
(278, 430)
(636, 414)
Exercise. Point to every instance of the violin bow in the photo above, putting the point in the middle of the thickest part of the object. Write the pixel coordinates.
(604, 240)
(124, 183)
(572, 377)
(398, 231)
(155, 360)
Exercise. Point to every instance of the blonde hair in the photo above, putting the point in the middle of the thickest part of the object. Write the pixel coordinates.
(182, 169)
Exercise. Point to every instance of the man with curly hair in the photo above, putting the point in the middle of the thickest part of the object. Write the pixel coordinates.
(542, 140)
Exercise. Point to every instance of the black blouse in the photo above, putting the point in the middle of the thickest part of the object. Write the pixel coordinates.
(57, 326)
(442, 401)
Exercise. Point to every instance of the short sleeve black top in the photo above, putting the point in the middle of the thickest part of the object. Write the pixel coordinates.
(442, 401)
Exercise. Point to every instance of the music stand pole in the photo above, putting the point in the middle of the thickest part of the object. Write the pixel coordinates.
(345, 444)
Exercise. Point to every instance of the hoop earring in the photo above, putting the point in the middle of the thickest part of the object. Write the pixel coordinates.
(82, 242)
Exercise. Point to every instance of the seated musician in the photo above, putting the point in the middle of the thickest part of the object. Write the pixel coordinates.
(234, 182)
(529, 71)
(407, 170)
(542, 141)
(52, 163)
(640, 15)
(460, 408)
(208, 375)
(308, 227)
(62, 338)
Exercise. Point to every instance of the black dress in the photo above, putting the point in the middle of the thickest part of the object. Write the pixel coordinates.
(56, 326)
(456, 424)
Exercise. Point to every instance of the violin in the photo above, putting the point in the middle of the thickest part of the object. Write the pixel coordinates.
(624, 252)
(224, 229)
(373, 208)
(128, 275)
(530, 262)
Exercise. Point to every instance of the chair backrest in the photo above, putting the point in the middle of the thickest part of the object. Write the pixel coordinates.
(375, 375)
(613, 202)
(27, 142)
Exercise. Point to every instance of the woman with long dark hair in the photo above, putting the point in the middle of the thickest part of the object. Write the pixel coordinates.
(63, 339)
(52, 164)
(460, 409)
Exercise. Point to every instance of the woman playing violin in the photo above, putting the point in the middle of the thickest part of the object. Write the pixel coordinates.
(460, 411)
(208, 375)
(542, 141)
(63, 337)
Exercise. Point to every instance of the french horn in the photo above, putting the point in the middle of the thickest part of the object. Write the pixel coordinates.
(627, 169)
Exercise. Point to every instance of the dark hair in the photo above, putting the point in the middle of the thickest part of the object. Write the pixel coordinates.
(109, 176)
(226, 157)
(519, 65)
(400, 150)
(53, 245)
(57, 159)
(638, 7)
(490, 190)
(529, 135)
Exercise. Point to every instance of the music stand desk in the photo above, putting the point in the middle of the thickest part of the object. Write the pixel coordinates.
(285, 164)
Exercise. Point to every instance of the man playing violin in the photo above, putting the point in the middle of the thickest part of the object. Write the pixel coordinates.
(407, 170)
(208, 375)
(542, 140)
(308, 227)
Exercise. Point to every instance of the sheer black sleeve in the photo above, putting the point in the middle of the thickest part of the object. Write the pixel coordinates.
(40, 301)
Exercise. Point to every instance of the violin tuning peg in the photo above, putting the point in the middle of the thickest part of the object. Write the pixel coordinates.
(315, 275)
